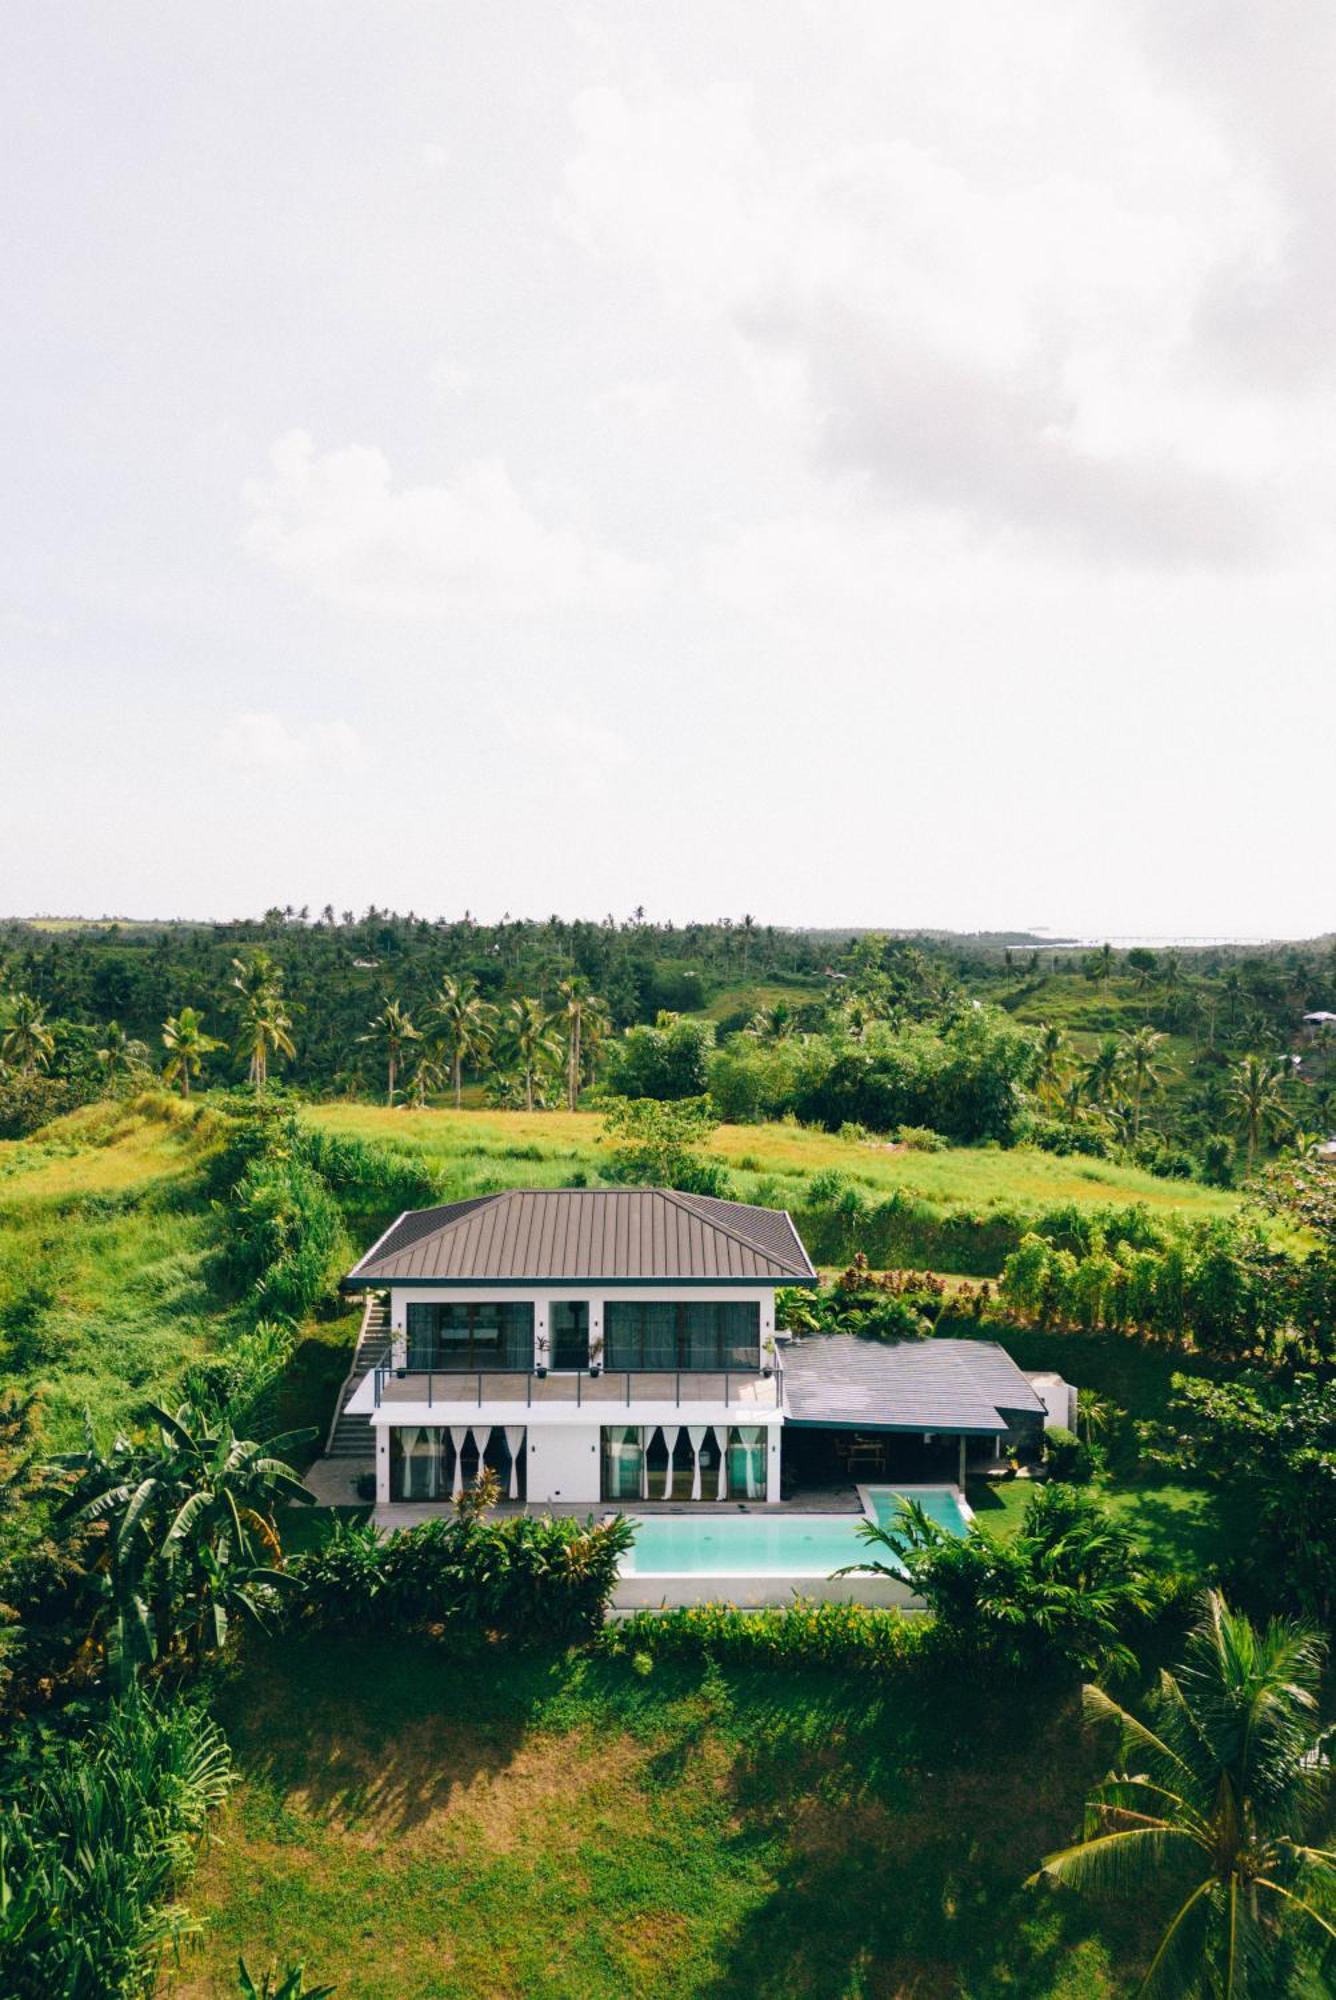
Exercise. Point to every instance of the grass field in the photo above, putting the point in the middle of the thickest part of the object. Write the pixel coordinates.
(561, 1829)
(543, 1148)
(105, 1253)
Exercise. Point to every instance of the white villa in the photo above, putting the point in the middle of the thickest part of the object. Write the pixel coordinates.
(620, 1345)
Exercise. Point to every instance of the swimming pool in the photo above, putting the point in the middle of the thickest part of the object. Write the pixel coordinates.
(774, 1544)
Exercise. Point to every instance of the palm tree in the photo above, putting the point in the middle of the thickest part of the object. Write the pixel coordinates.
(393, 1027)
(585, 1020)
(1054, 1052)
(1216, 1794)
(191, 1532)
(468, 1024)
(428, 1075)
(265, 1022)
(529, 1027)
(187, 1044)
(1255, 1088)
(27, 1042)
(1139, 1059)
(1103, 1073)
(121, 1055)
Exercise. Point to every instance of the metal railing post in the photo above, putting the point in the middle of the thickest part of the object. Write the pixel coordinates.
(429, 1372)
(728, 1384)
(677, 1394)
(528, 1390)
(579, 1388)
(628, 1388)
(480, 1388)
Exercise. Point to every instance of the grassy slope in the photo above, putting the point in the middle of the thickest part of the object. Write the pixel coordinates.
(566, 1830)
(104, 1259)
(543, 1149)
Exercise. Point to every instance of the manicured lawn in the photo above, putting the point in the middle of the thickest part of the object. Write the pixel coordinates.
(566, 1830)
(1191, 1529)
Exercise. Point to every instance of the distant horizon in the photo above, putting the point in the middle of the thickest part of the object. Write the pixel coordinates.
(1034, 938)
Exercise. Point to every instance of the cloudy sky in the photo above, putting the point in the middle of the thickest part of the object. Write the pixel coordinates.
(855, 463)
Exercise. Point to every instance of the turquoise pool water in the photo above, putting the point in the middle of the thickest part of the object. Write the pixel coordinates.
(768, 1544)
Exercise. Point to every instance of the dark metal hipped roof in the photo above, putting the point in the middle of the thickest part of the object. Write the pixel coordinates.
(965, 1386)
(573, 1235)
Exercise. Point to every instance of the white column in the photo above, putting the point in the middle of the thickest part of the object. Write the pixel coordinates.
(382, 1437)
(772, 1467)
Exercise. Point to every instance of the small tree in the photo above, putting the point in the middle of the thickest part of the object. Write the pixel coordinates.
(654, 1143)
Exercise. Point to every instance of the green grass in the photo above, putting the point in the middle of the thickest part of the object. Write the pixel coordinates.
(562, 1829)
(1191, 1529)
(542, 1149)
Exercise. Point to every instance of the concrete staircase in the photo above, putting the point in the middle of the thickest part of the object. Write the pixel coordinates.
(352, 1437)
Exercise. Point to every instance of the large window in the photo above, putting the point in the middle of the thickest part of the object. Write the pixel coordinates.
(705, 1334)
(463, 1338)
(694, 1462)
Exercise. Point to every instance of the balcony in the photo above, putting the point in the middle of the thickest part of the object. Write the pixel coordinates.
(602, 1394)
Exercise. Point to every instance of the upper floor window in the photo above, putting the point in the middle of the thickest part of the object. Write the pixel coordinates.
(689, 1333)
(467, 1337)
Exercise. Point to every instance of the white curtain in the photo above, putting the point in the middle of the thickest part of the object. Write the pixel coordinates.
(752, 1437)
(458, 1433)
(646, 1434)
(481, 1434)
(721, 1439)
(515, 1444)
(408, 1437)
(698, 1434)
(671, 1433)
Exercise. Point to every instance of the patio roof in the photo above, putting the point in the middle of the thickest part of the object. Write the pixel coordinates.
(584, 1235)
(960, 1387)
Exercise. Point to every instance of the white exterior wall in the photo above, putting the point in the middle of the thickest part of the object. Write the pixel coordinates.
(1059, 1401)
(563, 1463)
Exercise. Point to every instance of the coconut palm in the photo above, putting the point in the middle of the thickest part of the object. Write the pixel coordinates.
(1255, 1089)
(532, 1041)
(585, 1021)
(264, 1021)
(1216, 1796)
(468, 1026)
(1102, 1076)
(27, 1041)
(1140, 1050)
(429, 1074)
(393, 1029)
(187, 1045)
(1054, 1056)
(121, 1055)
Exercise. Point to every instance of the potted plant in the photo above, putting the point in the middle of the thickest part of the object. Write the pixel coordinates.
(540, 1365)
(596, 1354)
(768, 1351)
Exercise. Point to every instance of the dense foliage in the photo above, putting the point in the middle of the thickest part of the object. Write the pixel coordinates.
(100, 1823)
(533, 1578)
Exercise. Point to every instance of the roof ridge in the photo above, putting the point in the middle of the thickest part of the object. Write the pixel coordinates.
(683, 1195)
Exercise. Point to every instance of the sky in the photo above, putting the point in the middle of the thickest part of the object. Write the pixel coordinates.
(848, 463)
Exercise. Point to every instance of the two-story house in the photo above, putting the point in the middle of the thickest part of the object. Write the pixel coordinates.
(586, 1344)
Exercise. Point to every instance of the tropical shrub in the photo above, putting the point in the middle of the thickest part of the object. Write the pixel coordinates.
(1063, 1595)
(529, 1577)
(668, 1061)
(921, 1139)
(654, 1144)
(99, 1830)
(1068, 1458)
(798, 1635)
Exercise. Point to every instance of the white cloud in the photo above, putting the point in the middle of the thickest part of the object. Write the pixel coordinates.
(991, 308)
(335, 523)
(260, 742)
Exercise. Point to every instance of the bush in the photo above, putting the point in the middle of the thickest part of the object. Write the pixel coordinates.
(1067, 1457)
(99, 1834)
(801, 1634)
(287, 1235)
(922, 1139)
(527, 1577)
